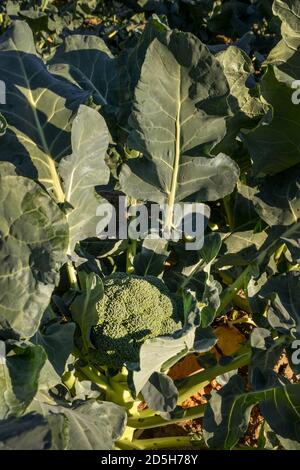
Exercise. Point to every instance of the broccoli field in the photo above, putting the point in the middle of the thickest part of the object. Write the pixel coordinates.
(150, 225)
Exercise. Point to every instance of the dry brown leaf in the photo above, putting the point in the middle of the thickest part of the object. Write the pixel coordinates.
(283, 367)
(186, 367)
(229, 340)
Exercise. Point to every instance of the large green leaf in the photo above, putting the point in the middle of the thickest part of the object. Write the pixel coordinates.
(281, 294)
(39, 110)
(157, 355)
(286, 54)
(238, 70)
(57, 339)
(175, 125)
(82, 171)
(265, 355)
(228, 412)
(19, 378)
(277, 200)
(87, 61)
(130, 63)
(289, 13)
(160, 392)
(281, 409)
(157, 351)
(274, 145)
(243, 214)
(91, 425)
(290, 235)
(30, 432)
(33, 244)
(244, 102)
(240, 248)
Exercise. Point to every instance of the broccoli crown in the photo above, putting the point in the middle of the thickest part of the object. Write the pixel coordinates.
(133, 309)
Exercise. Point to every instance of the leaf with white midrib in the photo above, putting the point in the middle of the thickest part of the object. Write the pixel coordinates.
(39, 111)
(86, 60)
(175, 124)
(84, 169)
(289, 13)
(92, 424)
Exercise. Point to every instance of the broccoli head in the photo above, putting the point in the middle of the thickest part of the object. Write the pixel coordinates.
(133, 309)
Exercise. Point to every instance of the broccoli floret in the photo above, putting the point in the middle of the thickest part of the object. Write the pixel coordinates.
(132, 310)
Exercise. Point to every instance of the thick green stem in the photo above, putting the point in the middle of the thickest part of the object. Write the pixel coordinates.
(69, 380)
(132, 244)
(157, 421)
(230, 293)
(44, 5)
(174, 442)
(93, 375)
(293, 267)
(228, 212)
(242, 303)
(72, 276)
(239, 301)
(197, 381)
(280, 250)
(130, 254)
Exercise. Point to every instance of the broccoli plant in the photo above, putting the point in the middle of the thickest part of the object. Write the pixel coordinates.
(94, 324)
(132, 309)
(131, 330)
